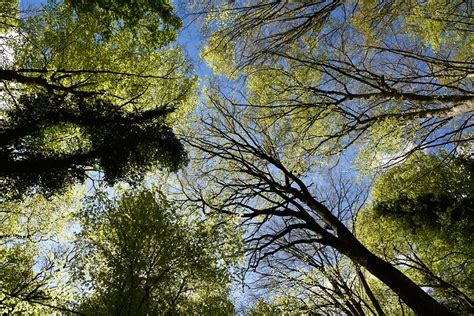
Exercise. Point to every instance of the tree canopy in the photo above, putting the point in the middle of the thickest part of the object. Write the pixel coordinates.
(77, 101)
(143, 257)
(245, 157)
(48, 142)
(421, 212)
(346, 79)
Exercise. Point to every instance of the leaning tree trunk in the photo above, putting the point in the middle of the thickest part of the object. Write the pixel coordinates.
(369, 292)
(411, 294)
(346, 243)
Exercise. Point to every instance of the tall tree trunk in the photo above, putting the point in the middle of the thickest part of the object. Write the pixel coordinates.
(406, 289)
(370, 294)
(346, 243)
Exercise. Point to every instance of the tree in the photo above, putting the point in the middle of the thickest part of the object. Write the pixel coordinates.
(147, 257)
(260, 186)
(418, 220)
(47, 142)
(345, 79)
(428, 193)
(76, 100)
(309, 277)
(142, 17)
(59, 51)
(313, 281)
(36, 254)
(8, 15)
(81, 96)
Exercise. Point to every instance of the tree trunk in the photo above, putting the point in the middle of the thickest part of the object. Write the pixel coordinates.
(346, 243)
(370, 294)
(411, 294)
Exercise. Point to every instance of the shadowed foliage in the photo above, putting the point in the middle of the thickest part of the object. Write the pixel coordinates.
(47, 142)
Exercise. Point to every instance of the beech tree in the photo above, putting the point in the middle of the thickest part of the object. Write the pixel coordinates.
(141, 16)
(144, 256)
(256, 171)
(80, 94)
(349, 80)
(418, 220)
(36, 253)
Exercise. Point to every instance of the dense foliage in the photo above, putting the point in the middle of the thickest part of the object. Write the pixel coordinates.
(322, 166)
(75, 101)
(142, 257)
(48, 142)
(419, 219)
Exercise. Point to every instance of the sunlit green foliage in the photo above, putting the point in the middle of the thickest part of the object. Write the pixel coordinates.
(36, 252)
(354, 74)
(436, 22)
(146, 18)
(8, 15)
(72, 56)
(279, 306)
(419, 219)
(143, 255)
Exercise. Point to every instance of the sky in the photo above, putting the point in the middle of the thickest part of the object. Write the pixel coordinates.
(30, 4)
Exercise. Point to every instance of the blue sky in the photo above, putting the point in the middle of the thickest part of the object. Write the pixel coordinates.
(30, 4)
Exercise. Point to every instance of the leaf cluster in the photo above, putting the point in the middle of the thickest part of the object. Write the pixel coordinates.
(49, 142)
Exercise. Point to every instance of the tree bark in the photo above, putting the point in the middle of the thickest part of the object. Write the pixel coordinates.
(370, 294)
(411, 294)
(346, 243)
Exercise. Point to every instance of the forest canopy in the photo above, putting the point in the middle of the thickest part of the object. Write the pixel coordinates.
(245, 157)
